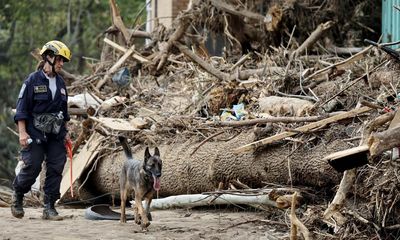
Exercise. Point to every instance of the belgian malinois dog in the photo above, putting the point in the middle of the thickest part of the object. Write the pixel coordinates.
(143, 177)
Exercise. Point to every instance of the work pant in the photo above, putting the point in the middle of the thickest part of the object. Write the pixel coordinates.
(54, 153)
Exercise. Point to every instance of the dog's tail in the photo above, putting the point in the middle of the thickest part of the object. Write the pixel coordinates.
(125, 146)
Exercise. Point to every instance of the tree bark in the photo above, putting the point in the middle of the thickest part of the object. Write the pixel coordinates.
(195, 200)
(382, 141)
(215, 162)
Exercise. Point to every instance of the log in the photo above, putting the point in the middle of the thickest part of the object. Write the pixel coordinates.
(197, 200)
(383, 141)
(386, 140)
(215, 162)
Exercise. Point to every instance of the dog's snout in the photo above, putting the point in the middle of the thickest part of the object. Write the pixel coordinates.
(158, 174)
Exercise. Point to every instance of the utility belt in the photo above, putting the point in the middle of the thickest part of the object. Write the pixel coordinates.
(48, 122)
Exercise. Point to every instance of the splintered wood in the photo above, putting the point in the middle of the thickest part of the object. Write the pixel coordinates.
(81, 161)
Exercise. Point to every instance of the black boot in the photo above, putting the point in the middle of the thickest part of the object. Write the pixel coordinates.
(49, 211)
(17, 205)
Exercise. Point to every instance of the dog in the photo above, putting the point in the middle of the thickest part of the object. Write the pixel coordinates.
(143, 177)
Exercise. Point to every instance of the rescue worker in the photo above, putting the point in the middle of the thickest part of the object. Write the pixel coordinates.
(41, 115)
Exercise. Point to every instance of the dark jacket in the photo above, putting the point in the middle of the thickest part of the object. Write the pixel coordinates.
(35, 98)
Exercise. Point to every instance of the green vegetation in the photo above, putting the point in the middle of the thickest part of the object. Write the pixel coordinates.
(28, 24)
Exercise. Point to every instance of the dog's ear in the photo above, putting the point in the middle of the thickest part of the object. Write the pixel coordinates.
(156, 152)
(146, 154)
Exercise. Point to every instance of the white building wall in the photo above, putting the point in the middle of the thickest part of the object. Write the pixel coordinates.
(161, 9)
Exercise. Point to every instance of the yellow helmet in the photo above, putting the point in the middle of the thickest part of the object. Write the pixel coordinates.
(58, 48)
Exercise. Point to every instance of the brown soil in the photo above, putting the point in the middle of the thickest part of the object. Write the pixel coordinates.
(167, 224)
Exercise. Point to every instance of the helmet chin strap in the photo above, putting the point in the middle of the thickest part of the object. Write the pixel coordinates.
(51, 64)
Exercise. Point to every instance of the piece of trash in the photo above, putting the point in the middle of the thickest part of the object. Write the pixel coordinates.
(122, 77)
(84, 100)
(239, 111)
(227, 116)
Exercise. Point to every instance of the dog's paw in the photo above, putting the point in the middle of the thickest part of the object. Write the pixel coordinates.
(145, 225)
(138, 221)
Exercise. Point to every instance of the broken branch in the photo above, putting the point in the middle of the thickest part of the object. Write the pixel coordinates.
(313, 38)
(265, 141)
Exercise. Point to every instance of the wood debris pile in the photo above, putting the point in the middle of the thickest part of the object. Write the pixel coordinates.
(284, 65)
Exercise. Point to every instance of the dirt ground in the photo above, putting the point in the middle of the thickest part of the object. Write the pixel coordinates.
(167, 224)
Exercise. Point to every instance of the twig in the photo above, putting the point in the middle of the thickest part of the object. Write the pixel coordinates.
(297, 96)
(240, 61)
(14, 132)
(296, 223)
(274, 223)
(351, 84)
(179, 32)
(332, 211)
(206, 140)
(362, 219)
(389, 44)
(312, 38)
(231, 9)
(369, 104)
(226, 31)
(209, 68)
(251, 122)
(290, 38)
(393, 227)
(310, 126)
(340, 65)
(240, 184)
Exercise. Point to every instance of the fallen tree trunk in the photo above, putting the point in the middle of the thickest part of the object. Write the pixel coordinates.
(215, 162)
(196, 200)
